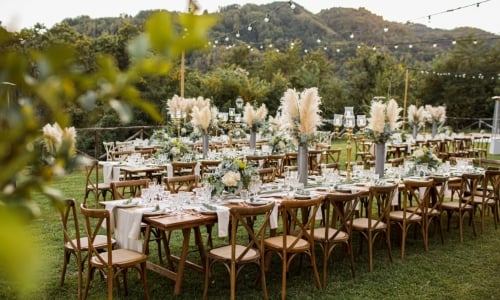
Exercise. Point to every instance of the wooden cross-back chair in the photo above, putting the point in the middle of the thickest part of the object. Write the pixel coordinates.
(487, 196)
(376, 223)
(92, 184)
(297, 237)
(339, 212)
(412, 215)
(112, 262)
(180, 168)
(267, 175)
(128, 188)
(239, 253)
(74, 243)
(464, 205)
(181, 183)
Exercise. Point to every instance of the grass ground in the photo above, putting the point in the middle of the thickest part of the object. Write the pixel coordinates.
(453, 270)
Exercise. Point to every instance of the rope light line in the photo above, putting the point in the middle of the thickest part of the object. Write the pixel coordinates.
(477, 4)
(331, 45)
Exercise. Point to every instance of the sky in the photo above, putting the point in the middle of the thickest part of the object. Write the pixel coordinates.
(17, 14)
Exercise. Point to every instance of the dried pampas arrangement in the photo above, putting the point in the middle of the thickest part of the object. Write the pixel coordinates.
(301, 113)
(254, 118)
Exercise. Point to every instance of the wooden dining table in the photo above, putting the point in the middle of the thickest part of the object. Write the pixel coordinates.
(186, 223)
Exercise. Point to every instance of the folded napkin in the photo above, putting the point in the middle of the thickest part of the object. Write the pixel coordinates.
(273, 218)
(223, 220)
(395, 196)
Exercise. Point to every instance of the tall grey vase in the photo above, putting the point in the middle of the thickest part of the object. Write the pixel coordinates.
(205, 145)
(434, 129)
(379, 159)
(253, 139)
(415, 131)
(303, 163)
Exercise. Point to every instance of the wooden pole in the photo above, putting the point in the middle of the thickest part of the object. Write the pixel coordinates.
(405, 99)
(182, 73)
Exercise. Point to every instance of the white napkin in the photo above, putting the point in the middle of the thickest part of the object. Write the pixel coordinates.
(116, 173)
(273, 218)
(223, 220)
(107, 171)
(395, 197)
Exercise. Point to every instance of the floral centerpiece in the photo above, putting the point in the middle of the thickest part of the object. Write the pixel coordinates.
(416, 118)
(279, 143)
(382, 124)
(437, 115)
(301, 115)
(174, 149)
(231, 176)
(427, 156)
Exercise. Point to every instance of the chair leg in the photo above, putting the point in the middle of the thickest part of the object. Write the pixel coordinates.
(67, 256)
(208, 273)
(144, 280)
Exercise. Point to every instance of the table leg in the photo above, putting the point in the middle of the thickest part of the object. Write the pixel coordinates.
(182, 261)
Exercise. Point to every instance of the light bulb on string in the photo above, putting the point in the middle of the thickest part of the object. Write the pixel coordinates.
(475, 42)
(351, 36)
(454, 42)
(238, 34)
(338, 50)
(318, 41)
(434, 45)
(410, 46)
(249, 27)
(226, 39)
(396, 46)
(292, 5)
(386, 29)
(325, 48)
(266, 19)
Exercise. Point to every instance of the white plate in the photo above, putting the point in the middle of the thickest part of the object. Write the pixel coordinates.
(257, 202)
(203, 210)
(124, 204)
(234, 201)
(156, 212)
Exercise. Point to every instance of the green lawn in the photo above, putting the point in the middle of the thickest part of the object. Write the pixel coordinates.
(453, 270)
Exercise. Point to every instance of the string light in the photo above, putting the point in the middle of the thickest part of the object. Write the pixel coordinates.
(292, 5)
(451, 10)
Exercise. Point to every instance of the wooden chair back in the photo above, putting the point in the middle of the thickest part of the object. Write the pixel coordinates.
(128, 188)
(299, 217)
(379, 205)
(418, 191)
(208, 166)
(276, 161)
(267, 175)
(180, 168)
(181, 183)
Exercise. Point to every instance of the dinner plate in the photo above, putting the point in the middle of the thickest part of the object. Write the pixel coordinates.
(126, 203)
(156, 212)
(234, 201)
(302, 196)
(206, 210)
(257, 202)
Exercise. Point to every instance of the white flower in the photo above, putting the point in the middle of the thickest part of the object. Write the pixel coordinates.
(231, 178)
(54, 137)
(175, 150)
(418, 153)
